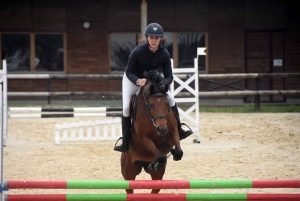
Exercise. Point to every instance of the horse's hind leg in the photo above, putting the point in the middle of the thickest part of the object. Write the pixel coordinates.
(129, 170)
(156, 175)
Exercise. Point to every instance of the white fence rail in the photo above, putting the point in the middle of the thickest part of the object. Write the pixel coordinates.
(106, 129)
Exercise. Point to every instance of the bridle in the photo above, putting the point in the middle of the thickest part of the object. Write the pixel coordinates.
(149, 106)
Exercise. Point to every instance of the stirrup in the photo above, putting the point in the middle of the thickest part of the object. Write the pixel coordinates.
(118, 141)
(122, 147)
(185, 134)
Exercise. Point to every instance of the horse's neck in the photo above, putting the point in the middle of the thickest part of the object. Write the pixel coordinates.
(145, 91)
(141, 96)
(146, 88)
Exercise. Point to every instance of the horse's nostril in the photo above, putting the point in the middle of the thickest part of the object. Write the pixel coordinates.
(161, 130)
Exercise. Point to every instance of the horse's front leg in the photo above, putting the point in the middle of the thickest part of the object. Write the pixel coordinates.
(177, 152)
(160, 159)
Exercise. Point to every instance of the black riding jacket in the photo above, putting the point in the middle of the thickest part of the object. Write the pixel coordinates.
(142, 58)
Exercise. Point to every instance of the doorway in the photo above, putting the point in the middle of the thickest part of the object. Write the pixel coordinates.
(265, 54)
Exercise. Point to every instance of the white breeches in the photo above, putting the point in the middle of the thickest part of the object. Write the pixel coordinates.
(129, 89)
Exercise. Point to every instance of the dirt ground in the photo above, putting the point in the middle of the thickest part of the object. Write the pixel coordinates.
(233, 146)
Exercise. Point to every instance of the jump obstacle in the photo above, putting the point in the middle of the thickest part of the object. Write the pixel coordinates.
(106, 129)
(76, 131)
(79, 109)
(151, 184)
(152, 197)
(64, 112)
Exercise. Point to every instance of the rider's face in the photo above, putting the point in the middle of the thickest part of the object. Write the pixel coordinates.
(154, 40)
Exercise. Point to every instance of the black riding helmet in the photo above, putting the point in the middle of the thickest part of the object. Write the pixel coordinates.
(154, 29)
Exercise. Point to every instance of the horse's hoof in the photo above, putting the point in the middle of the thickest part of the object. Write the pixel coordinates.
(151, 166)
(158, 166)
(177, 156)
(155, 166)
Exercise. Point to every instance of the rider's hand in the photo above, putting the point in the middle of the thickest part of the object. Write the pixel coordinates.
(142, 82)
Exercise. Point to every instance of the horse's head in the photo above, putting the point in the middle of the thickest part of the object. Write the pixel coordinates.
(156, 100)
(158, 109)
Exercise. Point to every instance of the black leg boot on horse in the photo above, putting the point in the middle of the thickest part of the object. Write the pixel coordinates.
(126, 125)
(183, 134)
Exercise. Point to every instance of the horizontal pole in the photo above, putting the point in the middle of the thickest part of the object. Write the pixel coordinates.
(63, 115)
(181, 74)
(67, 93)
(184, 94)
(79, 109)
(153, 197)
(248, 75)
(79, 93)
(150, 184)
(63, 76)
(248, 93)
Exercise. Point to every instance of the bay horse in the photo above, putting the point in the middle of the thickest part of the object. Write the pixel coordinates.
(154, 134)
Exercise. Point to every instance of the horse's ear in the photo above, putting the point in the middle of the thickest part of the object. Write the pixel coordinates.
(146, 74)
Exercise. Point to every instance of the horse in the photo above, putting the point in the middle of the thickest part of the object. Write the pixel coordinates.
(154, 135)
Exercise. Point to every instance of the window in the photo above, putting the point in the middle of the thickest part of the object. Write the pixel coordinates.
(187, 50)
(121, 45)
(182, 48)
(33, 52)
(16, 51)
(49, 52)
(170, 37)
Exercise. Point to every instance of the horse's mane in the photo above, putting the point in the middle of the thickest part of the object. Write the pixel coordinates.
(154, 78)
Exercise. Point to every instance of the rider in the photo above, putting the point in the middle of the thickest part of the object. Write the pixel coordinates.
(150, 55)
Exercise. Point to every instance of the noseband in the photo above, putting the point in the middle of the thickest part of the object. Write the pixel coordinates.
(149, 106)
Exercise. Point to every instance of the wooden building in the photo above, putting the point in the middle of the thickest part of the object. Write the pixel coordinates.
(96, 37)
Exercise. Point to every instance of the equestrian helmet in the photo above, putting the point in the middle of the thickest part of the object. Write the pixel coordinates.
(154, 29)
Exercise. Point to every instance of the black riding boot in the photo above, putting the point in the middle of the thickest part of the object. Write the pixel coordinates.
(183, 134)
(126, 124)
